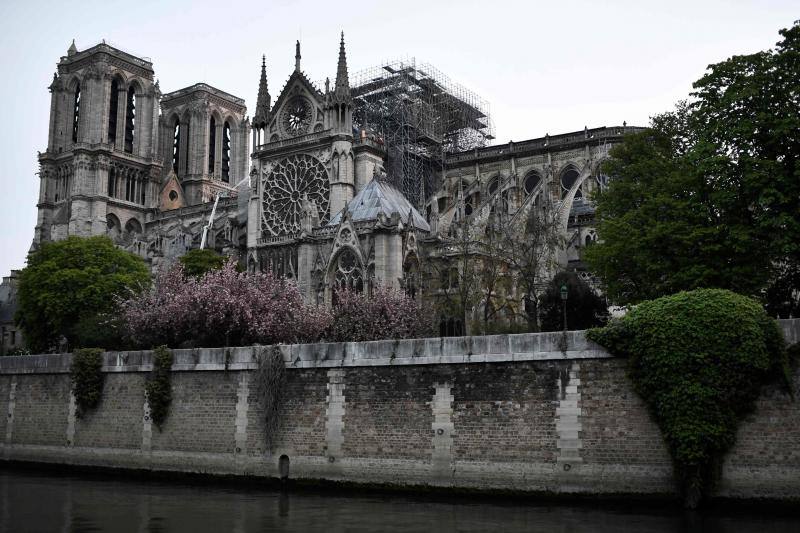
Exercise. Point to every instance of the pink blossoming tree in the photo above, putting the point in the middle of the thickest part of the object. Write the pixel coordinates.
(228, 308)
(386, 314)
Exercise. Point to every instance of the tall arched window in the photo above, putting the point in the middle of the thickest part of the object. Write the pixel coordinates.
(176, 145)
(76, 113)
(568, 179)
(130, 120)
(112, 112)
(493, 185)
(212, 145)
(226, 152)
(112, 183)
(348, 271)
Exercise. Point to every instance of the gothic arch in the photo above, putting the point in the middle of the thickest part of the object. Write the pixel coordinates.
(567, 176)
(114, 227)
(531, 181)
(346, 270)
(493, 185)
(133, 227)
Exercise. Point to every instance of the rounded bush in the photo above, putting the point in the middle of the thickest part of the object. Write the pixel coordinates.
(698, 359)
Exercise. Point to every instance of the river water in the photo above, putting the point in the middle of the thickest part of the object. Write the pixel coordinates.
(36, 501)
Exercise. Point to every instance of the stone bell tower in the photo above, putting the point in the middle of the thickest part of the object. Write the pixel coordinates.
(100, 171)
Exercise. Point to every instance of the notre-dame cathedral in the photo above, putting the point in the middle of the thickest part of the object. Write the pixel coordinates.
(349, 182)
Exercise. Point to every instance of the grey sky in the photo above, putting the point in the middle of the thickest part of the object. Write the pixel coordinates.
(544, 67)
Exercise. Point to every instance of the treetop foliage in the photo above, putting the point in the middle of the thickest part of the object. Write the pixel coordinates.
(69, 287)
(197, 262)
(709, 196)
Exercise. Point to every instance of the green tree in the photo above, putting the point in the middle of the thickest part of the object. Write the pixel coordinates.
(585, 309)
(70, 288)
(197, 262)
(709, 196)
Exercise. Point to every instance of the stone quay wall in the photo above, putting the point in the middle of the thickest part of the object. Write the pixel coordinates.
(504, 412)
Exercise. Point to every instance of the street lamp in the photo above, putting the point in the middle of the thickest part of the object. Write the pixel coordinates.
(564, 295)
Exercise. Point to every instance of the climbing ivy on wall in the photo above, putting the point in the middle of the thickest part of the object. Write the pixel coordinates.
(158, 388)
(87, 378)
(270, 382)
(698, 359)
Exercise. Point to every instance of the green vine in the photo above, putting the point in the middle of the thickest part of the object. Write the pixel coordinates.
(158, 388)
(270, 382)
(698, 359)
(87, 378)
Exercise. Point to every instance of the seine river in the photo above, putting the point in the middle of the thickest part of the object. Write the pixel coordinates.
(33, 502)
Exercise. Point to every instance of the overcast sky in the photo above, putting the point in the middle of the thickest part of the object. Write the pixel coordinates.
(543, 67)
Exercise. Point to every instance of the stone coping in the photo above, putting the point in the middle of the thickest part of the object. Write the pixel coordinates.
(430, 351)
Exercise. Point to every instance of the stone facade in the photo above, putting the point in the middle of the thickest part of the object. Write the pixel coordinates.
(311, 200)
(11, 338)
(508, 412)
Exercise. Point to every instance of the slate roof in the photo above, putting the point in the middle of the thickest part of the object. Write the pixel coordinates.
(381, 197)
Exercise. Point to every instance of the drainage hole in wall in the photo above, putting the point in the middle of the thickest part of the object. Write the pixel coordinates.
(283, 466)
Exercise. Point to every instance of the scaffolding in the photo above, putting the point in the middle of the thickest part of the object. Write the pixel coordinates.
(420, 114)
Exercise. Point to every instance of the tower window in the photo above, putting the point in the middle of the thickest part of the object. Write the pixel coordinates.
(112, 112)
(226, 152)
(130, 120)
(176, 146)
(112, 183)
(76, 113)
(212, 145)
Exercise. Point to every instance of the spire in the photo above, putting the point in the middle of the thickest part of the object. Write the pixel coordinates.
(341, 91)
(72, 50)
(297, 56)
(261, 116)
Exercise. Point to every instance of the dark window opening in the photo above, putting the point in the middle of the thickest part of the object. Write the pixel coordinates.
(112, 112)
(226, 152)
(212, 145)
(176, 146)
(112, 183)
(493, 185)
(76, 113)
(568, 179)
(531, 181)
(130, 120)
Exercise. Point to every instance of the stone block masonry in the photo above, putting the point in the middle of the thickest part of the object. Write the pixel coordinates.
(504, 412)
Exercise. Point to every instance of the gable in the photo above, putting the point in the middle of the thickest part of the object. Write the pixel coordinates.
(297, 111)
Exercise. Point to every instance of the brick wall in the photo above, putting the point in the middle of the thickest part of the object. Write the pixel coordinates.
(40, 409)
(117, 421)
(487, 418)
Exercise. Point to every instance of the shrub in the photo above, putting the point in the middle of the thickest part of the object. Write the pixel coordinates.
(698, 359)
(387, 314)
(87, 378)
(158, 388)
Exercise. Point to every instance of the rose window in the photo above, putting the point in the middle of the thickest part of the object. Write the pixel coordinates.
(290, 180)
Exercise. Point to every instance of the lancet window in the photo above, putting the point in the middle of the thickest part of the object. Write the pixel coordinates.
(112, 112)
(130, 120)
(212, 145)
(76, 113)
(226, 152)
